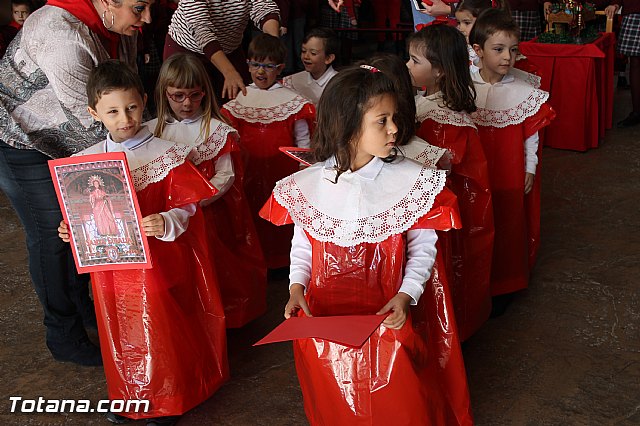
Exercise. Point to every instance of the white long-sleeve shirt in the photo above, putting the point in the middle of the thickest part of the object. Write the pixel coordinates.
(421, 250)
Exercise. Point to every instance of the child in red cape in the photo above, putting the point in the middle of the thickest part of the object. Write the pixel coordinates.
(162, 331)
(510, 112)
(365, 243)
(438, 61)
(188, 113)
(268, 117)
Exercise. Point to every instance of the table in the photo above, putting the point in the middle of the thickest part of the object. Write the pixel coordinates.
(579, 79)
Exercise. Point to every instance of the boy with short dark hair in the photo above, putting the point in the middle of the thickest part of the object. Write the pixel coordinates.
(319, 49)
(267, 117)
(20, 11)
(163, 325)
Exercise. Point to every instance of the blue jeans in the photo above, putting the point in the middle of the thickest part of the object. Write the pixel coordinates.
(64, 295)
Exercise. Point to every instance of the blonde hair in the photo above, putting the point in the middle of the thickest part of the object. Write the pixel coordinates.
(184, 70)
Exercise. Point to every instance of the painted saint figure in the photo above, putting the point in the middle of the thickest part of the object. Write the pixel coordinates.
(102, 208)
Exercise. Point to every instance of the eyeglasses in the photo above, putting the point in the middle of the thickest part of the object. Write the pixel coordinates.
(253, 65)
(180, 97)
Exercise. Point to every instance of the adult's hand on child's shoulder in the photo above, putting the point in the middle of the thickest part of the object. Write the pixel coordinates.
(153, 225)
(399, 308)
(233, 85)
(296, 302)
(63, 232)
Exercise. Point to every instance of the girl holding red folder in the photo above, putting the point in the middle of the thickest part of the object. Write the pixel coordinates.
(365, 243)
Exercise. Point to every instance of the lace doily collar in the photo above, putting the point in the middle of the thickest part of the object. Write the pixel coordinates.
(423, 152)
(369, 205)
(431, 107)
(211, 147)
(508, 102)
(149, 161)
(266, 106)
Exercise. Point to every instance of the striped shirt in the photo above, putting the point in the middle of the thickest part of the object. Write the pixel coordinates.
(207, 26)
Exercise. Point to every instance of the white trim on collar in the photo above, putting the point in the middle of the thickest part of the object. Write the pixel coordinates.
(143, 136)
(355, 209)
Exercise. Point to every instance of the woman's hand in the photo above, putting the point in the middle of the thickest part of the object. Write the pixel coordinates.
(233, 85)
(528, 182)
(296, 302)
(336, 4)
(611, 10)
(153, 225)
(63, 232)
(436, 8)
(399, 306)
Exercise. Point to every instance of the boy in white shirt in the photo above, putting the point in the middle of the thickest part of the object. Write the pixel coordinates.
(319, 48)
(267, 117)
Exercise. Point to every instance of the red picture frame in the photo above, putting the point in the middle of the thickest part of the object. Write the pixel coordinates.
(302, 155)
(99, 205)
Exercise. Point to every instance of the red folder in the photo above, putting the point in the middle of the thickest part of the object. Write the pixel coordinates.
(348, 330)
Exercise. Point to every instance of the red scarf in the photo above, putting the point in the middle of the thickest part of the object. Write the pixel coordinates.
(15, 25)
(87, 13)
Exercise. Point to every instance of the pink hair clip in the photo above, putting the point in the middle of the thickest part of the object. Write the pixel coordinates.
(370, 68)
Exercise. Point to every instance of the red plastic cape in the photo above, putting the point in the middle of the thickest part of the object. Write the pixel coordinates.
(471, 247)
(162, 332)
(516, 216)
(411, 376)
(264, 165)
(238, 258)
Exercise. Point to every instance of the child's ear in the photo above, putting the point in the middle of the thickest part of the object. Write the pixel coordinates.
(280, 68)
(477, 49)
(144, 100)
(328, 60)
(93, 113)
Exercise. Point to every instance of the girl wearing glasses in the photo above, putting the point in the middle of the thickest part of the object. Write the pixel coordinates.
(188, 113)
(267, 117)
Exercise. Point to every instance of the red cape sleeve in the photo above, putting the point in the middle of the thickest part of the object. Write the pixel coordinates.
(187, 185)
(540, 119)
(444, 214)
(275, 213)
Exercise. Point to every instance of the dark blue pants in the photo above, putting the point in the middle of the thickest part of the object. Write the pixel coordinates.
(64, 295)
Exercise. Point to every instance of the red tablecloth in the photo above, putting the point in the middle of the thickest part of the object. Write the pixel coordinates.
(579, 79)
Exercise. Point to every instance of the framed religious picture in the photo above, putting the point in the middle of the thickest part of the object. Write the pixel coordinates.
(99, 204)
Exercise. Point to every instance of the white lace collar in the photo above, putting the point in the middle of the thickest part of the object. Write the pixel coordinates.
(510, 101)
(149, 161)
(266, 106)
(423, 152)
(369, 205)
(431, 107)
